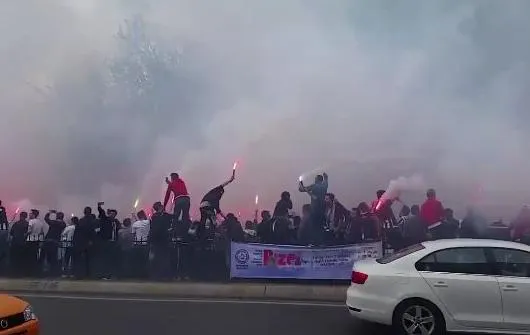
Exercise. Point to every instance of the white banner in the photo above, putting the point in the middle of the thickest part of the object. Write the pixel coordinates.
(273, 261)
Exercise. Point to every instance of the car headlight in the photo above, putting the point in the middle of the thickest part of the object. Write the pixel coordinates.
(29, 314)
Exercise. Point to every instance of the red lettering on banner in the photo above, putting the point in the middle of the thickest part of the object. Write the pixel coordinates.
(280, 259)
(268, 257)
(293, 259)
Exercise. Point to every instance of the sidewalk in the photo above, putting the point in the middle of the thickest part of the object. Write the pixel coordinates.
(335, 293)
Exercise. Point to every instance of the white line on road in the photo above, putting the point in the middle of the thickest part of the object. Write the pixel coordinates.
(178, 300)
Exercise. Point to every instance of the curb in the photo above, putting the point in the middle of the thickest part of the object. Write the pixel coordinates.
(180, 290)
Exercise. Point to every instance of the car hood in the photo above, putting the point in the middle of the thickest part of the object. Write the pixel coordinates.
(10, 305)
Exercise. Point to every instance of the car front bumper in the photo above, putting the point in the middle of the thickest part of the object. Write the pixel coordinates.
(27, 328)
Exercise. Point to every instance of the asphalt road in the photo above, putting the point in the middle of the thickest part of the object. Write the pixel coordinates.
(120, 316)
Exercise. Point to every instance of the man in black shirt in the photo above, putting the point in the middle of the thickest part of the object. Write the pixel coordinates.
(210, 205)
(51, 242)
(107, 231)
(414, 230)
(84, 236)
(283, 206)
(19, 233)
(265, 232)
(159, 240)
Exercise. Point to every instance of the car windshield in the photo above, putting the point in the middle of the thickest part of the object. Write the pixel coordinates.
(400, 254)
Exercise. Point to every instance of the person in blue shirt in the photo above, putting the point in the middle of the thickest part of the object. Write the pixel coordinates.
(317, 192)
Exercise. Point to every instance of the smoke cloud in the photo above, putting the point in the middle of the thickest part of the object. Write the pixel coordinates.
(101, 99)
(398, 186)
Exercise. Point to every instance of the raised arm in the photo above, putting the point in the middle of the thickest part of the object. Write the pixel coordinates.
(101, 212)
(168, 194)
(303, 188)
(325, 182)
(47, 218)
(230, 180)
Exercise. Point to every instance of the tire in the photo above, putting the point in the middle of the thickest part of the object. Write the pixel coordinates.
(413, 316)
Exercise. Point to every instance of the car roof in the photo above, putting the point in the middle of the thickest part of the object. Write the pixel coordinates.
(471, 242)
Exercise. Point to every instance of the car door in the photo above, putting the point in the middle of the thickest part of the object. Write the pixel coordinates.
(513, 274)
(462, 278)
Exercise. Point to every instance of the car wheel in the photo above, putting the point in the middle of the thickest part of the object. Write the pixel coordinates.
(418, 317)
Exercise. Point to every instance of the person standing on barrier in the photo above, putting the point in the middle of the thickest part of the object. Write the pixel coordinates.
(210, 208)
(50, 247)
(432, 213)
(317, 192)
(181, 198)
(83, 241)
(159, 242)
(33, 241)
(19, 233)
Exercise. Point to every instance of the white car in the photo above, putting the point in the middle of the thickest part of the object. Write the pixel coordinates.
(457, 285)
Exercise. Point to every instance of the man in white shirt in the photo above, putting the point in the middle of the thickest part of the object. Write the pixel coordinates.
(67, 238)
(35, 227)
(140, 229)
(35, 236)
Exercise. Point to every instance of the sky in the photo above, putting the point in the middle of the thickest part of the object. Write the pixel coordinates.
(101, 99)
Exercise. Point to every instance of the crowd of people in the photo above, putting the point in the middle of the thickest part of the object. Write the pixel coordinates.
(165, 245)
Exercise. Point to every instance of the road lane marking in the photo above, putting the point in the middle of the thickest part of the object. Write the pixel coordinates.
(181, 300)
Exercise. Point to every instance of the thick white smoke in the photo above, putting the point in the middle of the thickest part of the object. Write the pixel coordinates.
(400, 186)
(371, 90)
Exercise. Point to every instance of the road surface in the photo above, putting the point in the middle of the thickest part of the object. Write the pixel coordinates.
(135, 316)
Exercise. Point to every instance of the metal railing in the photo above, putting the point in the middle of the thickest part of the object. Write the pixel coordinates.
(204, 260)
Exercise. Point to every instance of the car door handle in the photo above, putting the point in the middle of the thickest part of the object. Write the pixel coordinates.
(509, 288)
(440, 284)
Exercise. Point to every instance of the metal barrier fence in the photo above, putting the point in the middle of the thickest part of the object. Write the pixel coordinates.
(179, 258)
(204, 260)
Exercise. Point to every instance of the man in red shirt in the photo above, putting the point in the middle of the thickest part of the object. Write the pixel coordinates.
(181, 198)
(432, 211)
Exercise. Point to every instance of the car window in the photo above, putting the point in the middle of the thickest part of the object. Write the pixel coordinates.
(400, 254)
(456, 260)
(511, 262)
